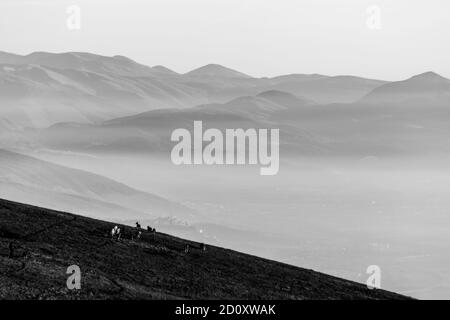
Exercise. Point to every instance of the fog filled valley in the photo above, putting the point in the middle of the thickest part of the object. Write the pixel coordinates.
(363, 178)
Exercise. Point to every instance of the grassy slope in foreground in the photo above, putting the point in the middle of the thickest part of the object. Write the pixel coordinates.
(46, 242)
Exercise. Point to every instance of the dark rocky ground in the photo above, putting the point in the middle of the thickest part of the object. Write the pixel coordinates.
(38, 245)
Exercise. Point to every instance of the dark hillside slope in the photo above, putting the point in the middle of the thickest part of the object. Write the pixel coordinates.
(38, 245)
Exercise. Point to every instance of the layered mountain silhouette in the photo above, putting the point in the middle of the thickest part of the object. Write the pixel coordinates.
(39, 96)
(41, 89)
(393, 117)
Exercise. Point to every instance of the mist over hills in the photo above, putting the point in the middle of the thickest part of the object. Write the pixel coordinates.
(263, 104)
(59, 187)
(393, 117)
(149, 132)
(325, 90)
(360, 179)
(41, 89)
(39, 96)
(427, 89)
(84, 61)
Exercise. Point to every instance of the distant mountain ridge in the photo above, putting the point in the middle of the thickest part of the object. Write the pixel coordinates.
(41, 88)
(103, 111)
(84, 61)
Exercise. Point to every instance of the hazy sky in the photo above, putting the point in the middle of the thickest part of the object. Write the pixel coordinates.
(258, 37)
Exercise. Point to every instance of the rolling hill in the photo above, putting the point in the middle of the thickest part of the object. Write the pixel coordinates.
(408, 117)
(395, 119)
(428, 89)
(324, 89)
(40, 95)
(262, 105)
(149, 132)
(47, 184)
(38, 245)
(216, 71)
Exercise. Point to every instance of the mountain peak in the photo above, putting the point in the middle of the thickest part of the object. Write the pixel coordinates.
(429, 76)
(163, 70)
(217, 70)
